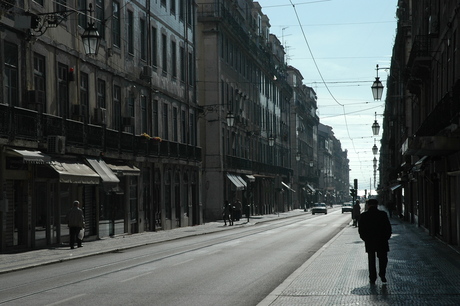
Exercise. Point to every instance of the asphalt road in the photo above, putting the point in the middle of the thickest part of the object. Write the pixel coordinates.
(237, 267)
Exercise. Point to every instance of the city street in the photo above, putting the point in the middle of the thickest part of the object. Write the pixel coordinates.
(233, 267)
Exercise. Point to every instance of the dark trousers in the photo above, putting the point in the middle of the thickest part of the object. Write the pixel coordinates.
(73, 233)
(383, 261)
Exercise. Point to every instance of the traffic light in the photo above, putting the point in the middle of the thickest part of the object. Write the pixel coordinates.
(353, 192)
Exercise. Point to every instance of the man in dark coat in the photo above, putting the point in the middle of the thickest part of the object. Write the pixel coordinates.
(76, 222)
(356, 212)
(375, 229)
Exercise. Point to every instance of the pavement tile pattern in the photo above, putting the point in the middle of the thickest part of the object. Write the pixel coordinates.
(421, 271)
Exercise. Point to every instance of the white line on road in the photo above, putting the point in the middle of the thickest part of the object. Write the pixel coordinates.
(68, 299)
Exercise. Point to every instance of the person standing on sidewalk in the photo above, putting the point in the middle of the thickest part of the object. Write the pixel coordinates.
(375, 230)
(76, 222)
(355, 213)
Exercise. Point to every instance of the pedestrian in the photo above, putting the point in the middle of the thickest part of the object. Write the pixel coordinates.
(375, 230)
(356, 212)
(238, 209)
(76, 222)
(227, 214)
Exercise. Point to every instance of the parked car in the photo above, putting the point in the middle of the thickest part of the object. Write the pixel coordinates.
(347, 207)
(319, 208)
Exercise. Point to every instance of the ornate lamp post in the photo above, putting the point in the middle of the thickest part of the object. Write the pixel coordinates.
(377, 87)
(230, 119)
(91, 39)
(375, 126)
(375, 150)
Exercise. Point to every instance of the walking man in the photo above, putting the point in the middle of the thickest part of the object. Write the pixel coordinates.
(375, 229)
(76, 222)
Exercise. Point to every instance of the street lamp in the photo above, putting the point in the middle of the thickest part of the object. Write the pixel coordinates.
(377, 87)
(297, 156)
(38, 24)
(375, 126)
(230, 119)
(375, 150)
(91, 39)
(271, 140)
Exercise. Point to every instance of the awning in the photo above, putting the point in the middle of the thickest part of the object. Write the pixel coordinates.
(30, 157)
(124, 169)
(237, 181)
(103, 170)
(287, 186)
(73, 172)
(311, 188)
(394, 187)
(251, 178)
(242, 181)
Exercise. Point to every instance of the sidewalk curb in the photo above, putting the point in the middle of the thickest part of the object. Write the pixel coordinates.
(144, 243)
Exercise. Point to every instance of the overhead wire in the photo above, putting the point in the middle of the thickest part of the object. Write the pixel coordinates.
(321, 75)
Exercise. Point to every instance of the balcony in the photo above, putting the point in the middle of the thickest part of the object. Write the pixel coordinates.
(420, 57)
(236, 163)
(28, 128)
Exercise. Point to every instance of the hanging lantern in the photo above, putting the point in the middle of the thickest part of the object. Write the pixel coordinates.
(375, 126)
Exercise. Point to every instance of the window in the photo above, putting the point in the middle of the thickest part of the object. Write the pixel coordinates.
(191, 71)
(116, 118)
(189, 12)
(163, 3)
(63, 91)
(154, 47)
(130, 33)
(165, 121)
(84, 98)
(192, 130)
(181, 10)
(61, 6)
(155, 118)
(182, 66)
(174, 59)
(172, 8)
(143, 38)
(10, 73)
(39, 78)
(175, 124)
(99, 11)
(101, 93)
(164, 54)
(82, 19)
(183, 127)
(116, 23)
(144, 113)
(130, 104)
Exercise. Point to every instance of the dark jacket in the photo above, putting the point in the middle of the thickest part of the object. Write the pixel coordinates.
(356, 212)
(75, 218)
(375, 229)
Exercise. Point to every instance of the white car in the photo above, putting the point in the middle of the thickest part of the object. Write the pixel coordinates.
(319, 208)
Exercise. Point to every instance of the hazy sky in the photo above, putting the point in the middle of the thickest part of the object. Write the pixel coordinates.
(336, 45)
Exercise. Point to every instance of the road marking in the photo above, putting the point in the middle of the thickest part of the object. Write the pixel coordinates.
(134, 277)
(68, 299)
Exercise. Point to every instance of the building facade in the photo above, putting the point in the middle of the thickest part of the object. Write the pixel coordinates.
(420, 148)
(116, 131)
(242, 74)
(304, 140)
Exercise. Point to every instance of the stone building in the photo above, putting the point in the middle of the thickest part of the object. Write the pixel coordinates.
(116, 130)
(419, 169)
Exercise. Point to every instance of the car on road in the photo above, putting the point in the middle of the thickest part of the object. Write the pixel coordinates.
(347, 207)
(320, 208)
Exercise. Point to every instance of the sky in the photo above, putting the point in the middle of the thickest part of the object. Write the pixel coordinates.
(336, 45)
